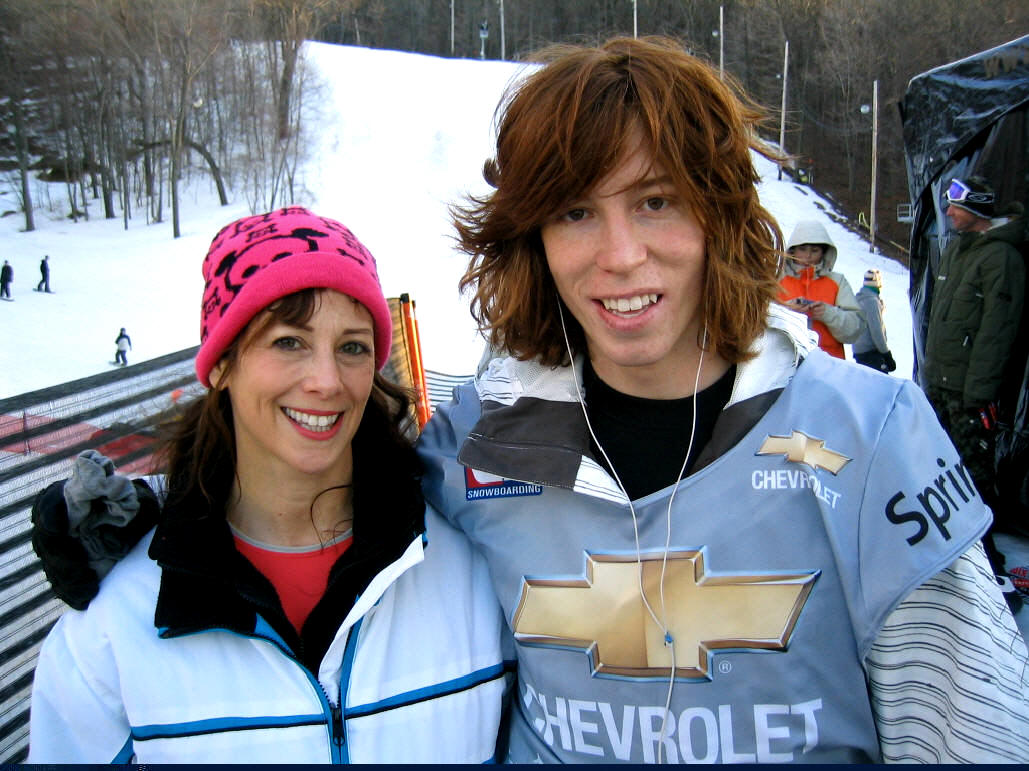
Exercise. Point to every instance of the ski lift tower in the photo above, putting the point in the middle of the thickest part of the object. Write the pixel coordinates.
(483, 34)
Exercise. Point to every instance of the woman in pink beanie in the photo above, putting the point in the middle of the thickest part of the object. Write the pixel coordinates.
(296, 602)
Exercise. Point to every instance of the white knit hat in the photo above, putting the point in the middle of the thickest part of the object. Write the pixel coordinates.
(874, 278)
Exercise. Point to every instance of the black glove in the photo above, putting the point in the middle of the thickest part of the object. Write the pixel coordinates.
(890, 363)
(65, 561)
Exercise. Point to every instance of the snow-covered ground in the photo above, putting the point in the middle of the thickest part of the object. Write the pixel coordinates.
(395, 138)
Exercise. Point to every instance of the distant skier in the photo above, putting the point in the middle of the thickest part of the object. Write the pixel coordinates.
(6, 277)
(124, 343)
(44, 272)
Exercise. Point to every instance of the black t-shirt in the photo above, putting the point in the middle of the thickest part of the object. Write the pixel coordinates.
(646, 439)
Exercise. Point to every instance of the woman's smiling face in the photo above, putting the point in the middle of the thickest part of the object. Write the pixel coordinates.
(298, 392)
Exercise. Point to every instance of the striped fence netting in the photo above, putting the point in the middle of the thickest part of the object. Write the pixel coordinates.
(41, 433)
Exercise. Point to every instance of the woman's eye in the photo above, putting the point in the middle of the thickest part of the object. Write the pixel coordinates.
(574, 215)
(355, 348)
(656, 203)
(286, 343)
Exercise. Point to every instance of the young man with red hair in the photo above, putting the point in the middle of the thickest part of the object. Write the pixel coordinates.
(712, 541)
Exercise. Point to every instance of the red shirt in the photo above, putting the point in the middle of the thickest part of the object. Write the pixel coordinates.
(298, 573)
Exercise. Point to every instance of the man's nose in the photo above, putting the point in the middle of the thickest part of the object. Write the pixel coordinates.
(622, 247)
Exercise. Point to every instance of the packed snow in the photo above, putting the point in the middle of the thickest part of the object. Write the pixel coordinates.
(394, 140)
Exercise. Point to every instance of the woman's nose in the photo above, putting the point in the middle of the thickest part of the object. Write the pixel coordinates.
(322, 374)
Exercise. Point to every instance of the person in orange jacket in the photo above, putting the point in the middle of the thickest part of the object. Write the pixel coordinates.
(809, 286)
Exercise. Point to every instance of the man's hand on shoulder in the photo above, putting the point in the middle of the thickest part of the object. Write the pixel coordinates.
(75, 559)
(63, 556)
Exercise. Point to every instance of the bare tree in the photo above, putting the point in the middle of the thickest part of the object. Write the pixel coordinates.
(287, 24)
(16, 61)
(188, 34)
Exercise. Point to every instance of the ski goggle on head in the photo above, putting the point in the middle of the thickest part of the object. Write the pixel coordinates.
(959, 192)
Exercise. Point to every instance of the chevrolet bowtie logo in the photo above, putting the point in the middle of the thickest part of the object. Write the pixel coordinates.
(604, 615)
(801, 448)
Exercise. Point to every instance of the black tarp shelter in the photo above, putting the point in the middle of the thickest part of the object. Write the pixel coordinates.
(972, 117)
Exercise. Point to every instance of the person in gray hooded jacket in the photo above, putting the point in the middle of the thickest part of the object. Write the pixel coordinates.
(871, 348)
(810, 286)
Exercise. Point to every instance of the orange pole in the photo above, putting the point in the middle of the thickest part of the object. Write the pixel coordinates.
(423, 387)
(423, 409)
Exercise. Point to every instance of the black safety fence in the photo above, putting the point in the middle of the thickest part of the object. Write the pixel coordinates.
(41, 433)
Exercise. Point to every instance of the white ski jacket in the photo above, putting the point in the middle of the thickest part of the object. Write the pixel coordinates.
(415, 673)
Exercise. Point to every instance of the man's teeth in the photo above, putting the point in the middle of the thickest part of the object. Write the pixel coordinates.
(312, 422)
(628, 304)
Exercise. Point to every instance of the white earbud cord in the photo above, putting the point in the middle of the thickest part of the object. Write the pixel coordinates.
(669, 640)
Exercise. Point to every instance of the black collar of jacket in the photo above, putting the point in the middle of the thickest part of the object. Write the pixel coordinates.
(206, 583)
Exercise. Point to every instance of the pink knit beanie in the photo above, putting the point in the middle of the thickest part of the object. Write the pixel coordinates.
(256, 260)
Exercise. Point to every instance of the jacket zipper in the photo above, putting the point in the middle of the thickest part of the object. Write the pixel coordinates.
(338, 736)
(336, 726)
(339, 728)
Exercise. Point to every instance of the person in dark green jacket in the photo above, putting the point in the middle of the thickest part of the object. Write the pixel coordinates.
(975, 316)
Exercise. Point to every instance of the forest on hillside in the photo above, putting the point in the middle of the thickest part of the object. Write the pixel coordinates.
(118, 100)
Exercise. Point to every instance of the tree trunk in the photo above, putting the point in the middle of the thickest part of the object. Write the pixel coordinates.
(23, 163)
(290, 50)
(216, 173)
(178, 136)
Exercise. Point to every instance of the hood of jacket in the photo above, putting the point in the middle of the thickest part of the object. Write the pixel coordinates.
(812, 232)
(1009, 229)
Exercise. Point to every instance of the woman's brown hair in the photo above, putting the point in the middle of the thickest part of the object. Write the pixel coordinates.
(562, 130)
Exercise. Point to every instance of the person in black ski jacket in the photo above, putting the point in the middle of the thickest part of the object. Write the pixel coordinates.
(6, 277)
(44, 275)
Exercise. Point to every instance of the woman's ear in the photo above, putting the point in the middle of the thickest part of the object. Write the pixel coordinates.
(216, 375)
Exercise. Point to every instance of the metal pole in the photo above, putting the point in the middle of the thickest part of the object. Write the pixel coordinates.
(634, 25)
(503, 54)
(721, 42)
(451, 27)
(782, 117)
(875, 163)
